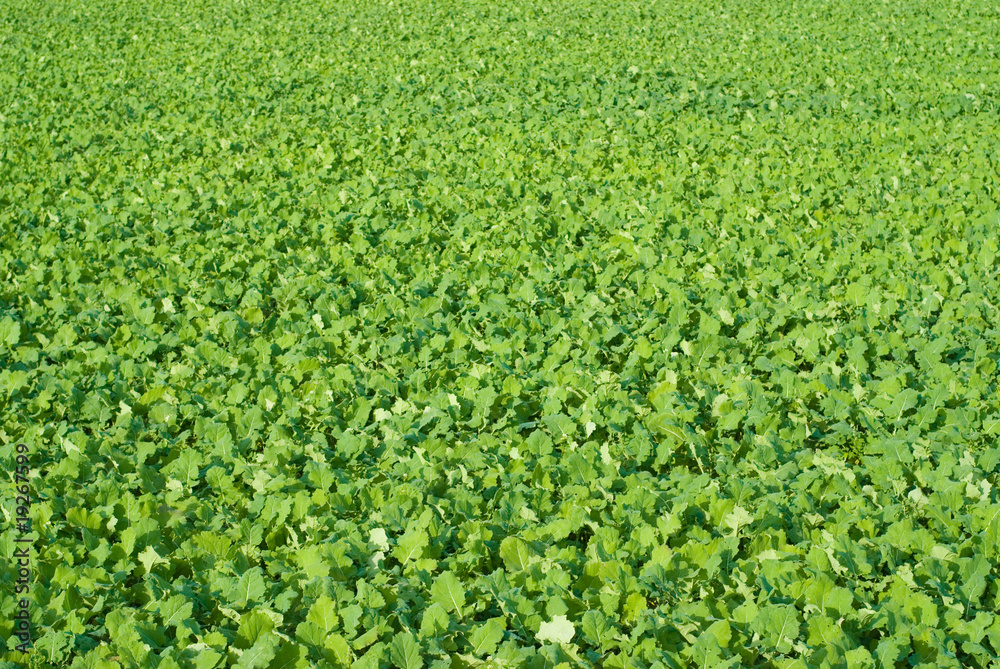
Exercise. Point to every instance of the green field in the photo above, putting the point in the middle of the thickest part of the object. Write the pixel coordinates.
(530, 334)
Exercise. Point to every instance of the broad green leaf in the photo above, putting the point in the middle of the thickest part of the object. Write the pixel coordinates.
(779, 625)
(149, 557)
(434, 622)
(557, 630)
(635, 606)
(405, 652)
(371, 657)
(485, 637)
(260, 654)
(125, 639)
(175, 610)
(411, 545)
(737, 518)
(745, 613)
(290, 656)
(248, 588)
(448, 592)
(561, 426)
(515, 553)
(10, 332)
(860, 658)
(340, 648)
(991, 425)
(253, 627)
(596, 628)
(378, 538)
(323, 612)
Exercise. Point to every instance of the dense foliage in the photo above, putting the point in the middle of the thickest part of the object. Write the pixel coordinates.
(507, 333)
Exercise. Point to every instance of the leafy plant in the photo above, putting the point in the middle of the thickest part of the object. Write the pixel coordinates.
(508, 334)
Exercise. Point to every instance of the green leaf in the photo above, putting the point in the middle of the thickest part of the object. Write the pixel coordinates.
(561, 425)
(411, 545)
(434, 622)
(175, 610)
(991, 425)
(253, 627)
(53, 645)
(10, 332)
(249, 588)
(707, 650)
(745, 613)
(485, 637)
(597, 629)
(557, 630)
(731, 420)
(635, 606)
(891, 650)
(405, 652)
(378, 538)
(323, 612)
(448, 592)
(340, 648)
(859, 658)
(187, 466)
(371, 658)
(904, 401)
(737, 518)
(779, 625)
(206, 658)
(125, 639)
(310, 633)
(260, 654)
(149, 557)
(515, 554)
(290, 655)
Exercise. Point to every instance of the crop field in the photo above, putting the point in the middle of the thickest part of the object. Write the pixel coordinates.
(441, 334)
